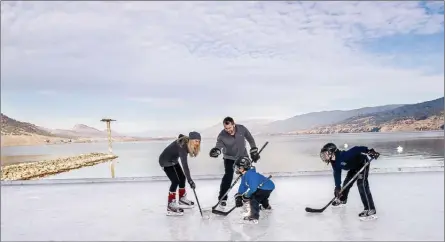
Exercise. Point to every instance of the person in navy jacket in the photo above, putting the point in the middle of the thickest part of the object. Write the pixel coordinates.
(254, 189)
(351, 160)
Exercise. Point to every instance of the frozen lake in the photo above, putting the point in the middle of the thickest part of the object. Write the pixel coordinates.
(284, 154)
(410, 207)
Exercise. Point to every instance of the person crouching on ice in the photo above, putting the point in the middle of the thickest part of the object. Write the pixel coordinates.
(352, 160)
(168, 160)
(254, 189)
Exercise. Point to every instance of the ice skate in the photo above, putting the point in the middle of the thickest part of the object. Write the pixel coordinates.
(268, 208)
(246, 209)
(368, 215)
(337, 203)
(222, 205)
(249, 220)
(173, 209)
(183, 201)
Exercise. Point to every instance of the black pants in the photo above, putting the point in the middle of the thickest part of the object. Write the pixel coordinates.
(227, 178)
(362, 185)
(176, 176)
(259, 197)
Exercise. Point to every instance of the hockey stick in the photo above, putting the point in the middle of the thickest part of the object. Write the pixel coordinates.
(320, 210)
(233, 184)
(228, 212)
(262, 148)
(230, 188)
(197, 201)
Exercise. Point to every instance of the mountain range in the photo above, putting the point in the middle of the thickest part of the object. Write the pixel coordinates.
(10, 126)
(427, 115)
(82, 130)
(255, 126)
(423, 116)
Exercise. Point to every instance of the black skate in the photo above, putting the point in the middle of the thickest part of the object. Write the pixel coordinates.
(368, 215)
(185, 203)
(338, 203)
(173, 209)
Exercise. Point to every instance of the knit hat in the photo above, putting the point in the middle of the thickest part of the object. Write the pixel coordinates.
(194, 135)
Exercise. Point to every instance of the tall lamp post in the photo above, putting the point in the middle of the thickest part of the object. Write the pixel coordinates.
(110, 149)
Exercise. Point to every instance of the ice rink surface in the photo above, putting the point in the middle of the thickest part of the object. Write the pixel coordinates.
(410, 206)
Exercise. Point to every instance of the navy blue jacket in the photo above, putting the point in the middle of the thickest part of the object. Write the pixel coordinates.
(346, 160)
(251, 180)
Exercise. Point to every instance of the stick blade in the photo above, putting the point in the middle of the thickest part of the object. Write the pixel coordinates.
(314, 210)
(215, 211)
(222, 213)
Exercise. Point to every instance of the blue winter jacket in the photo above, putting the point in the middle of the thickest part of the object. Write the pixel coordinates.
(346, 160)
(251, 180)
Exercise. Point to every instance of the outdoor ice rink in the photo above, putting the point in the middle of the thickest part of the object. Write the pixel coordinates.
(410, 206)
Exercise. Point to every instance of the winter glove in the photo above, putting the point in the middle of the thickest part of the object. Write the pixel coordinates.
(254, 154)
(374, 154)
(192, 184)
(215, 152)
(238, 200)
(337, 193)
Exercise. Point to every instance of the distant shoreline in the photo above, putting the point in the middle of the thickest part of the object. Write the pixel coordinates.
(36, 140)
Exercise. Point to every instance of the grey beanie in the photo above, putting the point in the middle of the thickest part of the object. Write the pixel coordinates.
(194, 135)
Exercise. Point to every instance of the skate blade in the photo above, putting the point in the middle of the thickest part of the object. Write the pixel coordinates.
(186, 206)
(369, 218)
(205, 217)
(174, 213)
(242, 221)
(339, 206)
(266, 210)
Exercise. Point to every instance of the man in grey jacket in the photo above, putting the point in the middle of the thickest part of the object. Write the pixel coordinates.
(231, 142)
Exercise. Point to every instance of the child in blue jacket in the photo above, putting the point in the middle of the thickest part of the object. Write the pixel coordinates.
(254, 189)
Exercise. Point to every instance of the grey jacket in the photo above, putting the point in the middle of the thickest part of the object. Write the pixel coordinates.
(233, 147)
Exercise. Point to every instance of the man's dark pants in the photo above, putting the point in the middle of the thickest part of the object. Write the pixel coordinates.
(227, 178)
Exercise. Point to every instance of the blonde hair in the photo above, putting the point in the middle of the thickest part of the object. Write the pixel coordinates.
(185, 141)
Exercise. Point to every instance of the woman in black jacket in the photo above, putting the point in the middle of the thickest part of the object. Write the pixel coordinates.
(169, 161)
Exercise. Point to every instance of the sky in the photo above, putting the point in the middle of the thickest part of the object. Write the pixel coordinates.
(186, 65)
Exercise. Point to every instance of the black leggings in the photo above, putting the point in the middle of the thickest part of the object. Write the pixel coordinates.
(176, 176)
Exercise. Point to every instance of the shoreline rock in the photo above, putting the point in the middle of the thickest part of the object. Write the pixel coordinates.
(39, 169)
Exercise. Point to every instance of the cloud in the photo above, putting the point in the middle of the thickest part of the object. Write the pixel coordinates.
(226, 58)
(159, 102)
(46, 92)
